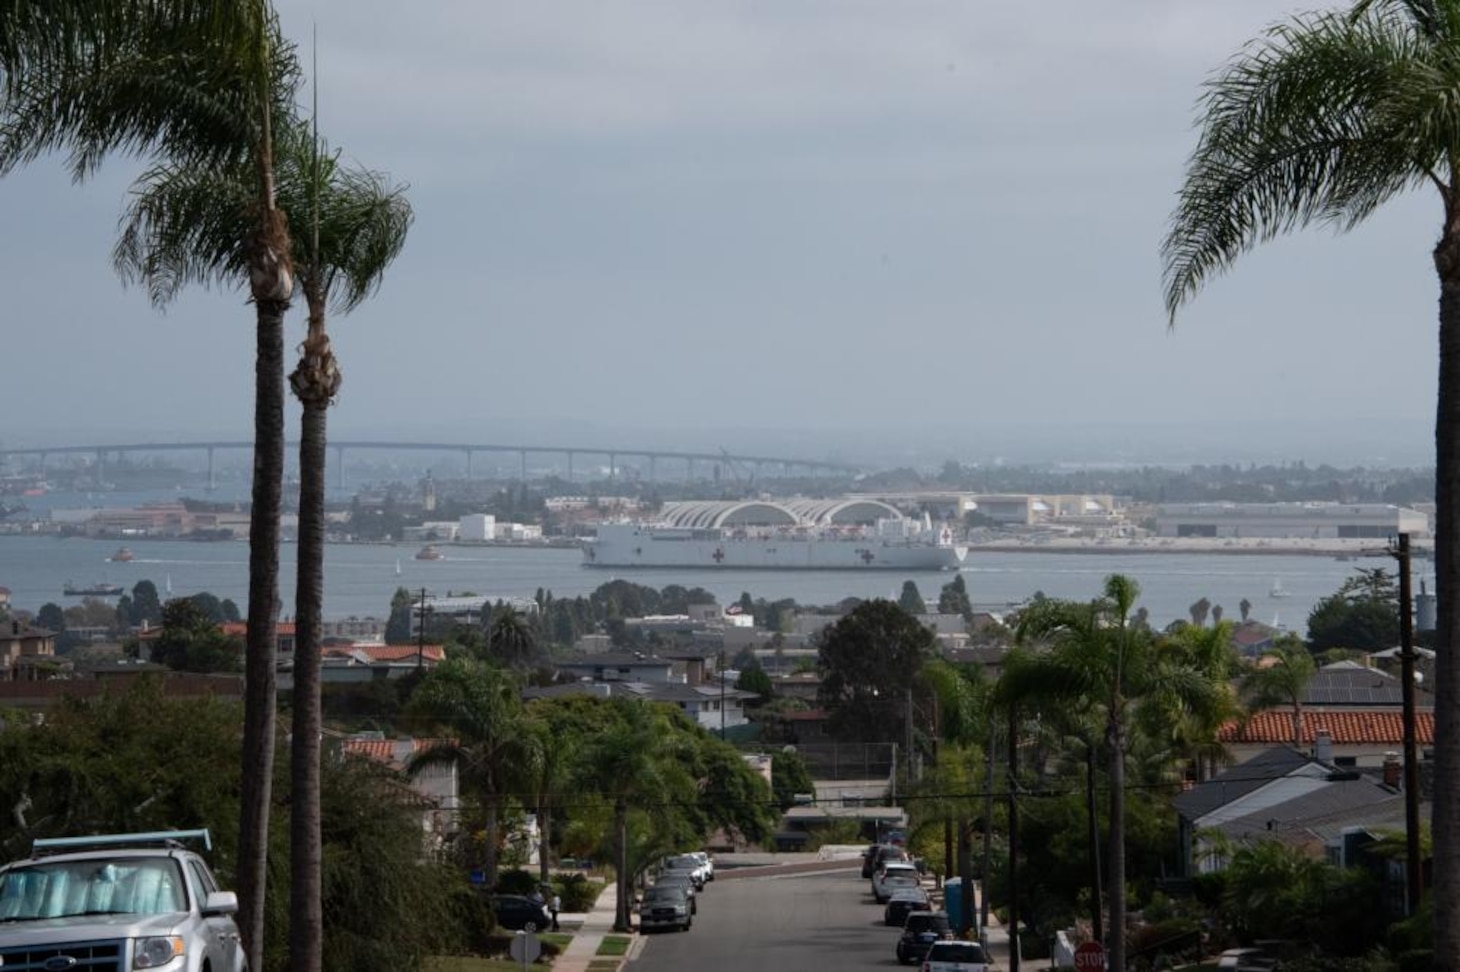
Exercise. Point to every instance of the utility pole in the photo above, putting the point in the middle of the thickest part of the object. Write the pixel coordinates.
(721, 665)
(421, 633)
(1414, 883)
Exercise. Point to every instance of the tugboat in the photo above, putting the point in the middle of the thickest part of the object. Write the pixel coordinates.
(429, 552)
(122, 556)
(92, 590)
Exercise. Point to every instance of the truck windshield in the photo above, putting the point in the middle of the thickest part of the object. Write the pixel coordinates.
(62, 889)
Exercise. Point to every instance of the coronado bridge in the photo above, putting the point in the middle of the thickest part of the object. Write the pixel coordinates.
(685, 460)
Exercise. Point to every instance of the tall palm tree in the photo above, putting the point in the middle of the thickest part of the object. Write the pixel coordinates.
(197, 82)
(478, 710)
(511, 639)
(1090, 655)
(1281, 680)
(626, 765)
(187, 224)
(1323, 120)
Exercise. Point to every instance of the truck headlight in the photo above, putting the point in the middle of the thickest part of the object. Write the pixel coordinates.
(151, 953)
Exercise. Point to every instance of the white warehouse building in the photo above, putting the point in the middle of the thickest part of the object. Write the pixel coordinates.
(1295, 521)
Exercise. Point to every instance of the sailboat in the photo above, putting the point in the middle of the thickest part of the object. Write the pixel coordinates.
(168, 585)
(397, 566)
(1277, 589)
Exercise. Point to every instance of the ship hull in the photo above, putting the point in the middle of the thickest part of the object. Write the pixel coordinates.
(648, 549)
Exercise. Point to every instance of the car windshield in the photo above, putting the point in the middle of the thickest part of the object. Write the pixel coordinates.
(108, 886)
(669, 895)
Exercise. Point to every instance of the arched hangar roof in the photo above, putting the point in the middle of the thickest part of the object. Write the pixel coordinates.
(709, 514)
(843, 510)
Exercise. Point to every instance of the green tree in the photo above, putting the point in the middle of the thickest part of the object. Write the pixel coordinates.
(146, 605)
(910, 600)
(208, 604)
(477, 710)
(398, 626)
(869, 661)
(953, 599)
(1323, 120)
(51, 617)
(190, 640)
(1089, 655)
(789, 777)
(1281, 679)
(1363, 615)
(753, 678)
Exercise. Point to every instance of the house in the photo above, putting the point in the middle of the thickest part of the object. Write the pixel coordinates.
(439, 786)
(1302, 799)
(710, 706)
(618, 666)
(1359, 709)
(23, 649)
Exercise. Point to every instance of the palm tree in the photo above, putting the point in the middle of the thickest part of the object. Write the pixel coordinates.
(186, 224)
(626, 765)
(511, 639)
(478, 709)
(199, 83)
(1281, 679)
(1324, 119)
(1091, 656)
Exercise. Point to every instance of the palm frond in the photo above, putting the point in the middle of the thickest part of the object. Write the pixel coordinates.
(1322, 120)
(182, 79)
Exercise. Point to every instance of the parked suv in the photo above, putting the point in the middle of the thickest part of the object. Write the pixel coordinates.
(116, 903)
(664, 907)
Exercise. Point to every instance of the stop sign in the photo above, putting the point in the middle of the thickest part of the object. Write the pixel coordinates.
(1090, 957)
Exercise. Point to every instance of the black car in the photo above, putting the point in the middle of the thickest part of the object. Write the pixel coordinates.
(518, 913)
(903, 903)
(922, 931)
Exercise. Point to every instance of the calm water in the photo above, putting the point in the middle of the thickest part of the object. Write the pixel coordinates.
(360, 579)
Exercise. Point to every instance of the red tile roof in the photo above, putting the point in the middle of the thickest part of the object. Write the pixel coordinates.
(240, 628)
(1345, 728)
(391, 653)
(380, 750)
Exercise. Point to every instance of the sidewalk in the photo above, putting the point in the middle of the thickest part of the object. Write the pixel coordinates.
(588, 930)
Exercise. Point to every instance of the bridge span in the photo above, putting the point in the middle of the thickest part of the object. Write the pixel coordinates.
(786, 467)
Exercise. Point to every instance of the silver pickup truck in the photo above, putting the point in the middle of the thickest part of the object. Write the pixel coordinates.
(117, 903)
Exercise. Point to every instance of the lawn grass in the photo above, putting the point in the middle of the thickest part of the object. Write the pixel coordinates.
(614, 945)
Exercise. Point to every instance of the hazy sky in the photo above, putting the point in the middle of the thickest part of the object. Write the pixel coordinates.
(898, 216)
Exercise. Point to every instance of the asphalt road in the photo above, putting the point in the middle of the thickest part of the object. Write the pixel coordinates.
(795, 923)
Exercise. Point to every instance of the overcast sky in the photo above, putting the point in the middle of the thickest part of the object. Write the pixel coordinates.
(804, 217)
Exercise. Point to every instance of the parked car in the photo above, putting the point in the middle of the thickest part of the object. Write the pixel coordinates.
(921, 931)
(691, 863)
(889, 877)
(902, 902)
(128, 901)
(709, 863)
(516, 912)
(685, 882)
(956, 956)
(665, 906)
(869, 861)
(1247, 960)
(879, 854)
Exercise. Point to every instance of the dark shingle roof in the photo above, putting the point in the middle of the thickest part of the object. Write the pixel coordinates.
(1238, 781)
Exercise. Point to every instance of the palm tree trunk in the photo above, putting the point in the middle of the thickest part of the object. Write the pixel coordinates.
(306, 926)
(1115, 935)
(544, 840)
(1445, 821)
(263, 610)
(622, 920)
(489, 859)
(1097, 906)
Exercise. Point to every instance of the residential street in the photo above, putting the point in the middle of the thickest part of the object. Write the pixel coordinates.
(779, 924)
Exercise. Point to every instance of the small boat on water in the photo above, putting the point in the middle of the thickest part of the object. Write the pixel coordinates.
(1277, 589)
(428, 552)
(122, 556)
(92, 590)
